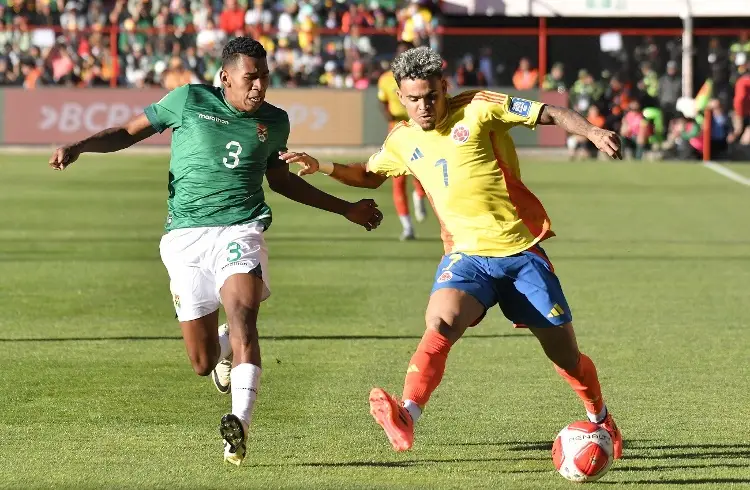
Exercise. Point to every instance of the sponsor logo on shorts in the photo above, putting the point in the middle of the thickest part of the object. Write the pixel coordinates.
(262, 133)
(460, 134)
(445, 276)
(213, 118)
(176, 301)
(238, 263)
(522, 107)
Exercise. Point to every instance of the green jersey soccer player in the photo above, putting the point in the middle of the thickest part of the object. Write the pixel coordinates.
(224, 140)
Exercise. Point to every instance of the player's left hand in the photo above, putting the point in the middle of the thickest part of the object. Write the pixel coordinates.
(607, 141)
(365, 213)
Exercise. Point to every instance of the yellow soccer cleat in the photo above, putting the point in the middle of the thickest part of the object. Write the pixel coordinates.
(235, 439)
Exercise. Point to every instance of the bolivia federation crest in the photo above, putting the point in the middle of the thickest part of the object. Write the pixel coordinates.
(262, 133)
(460, 134)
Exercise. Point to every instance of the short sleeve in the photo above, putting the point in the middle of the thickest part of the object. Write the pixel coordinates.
(279, 142)
(167, 113)
(513, 111)
(386, 161)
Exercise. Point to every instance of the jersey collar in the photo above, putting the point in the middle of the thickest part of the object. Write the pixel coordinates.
(234, 110)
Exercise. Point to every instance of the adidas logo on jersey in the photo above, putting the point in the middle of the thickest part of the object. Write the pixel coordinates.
(213, 118)
(417, 154)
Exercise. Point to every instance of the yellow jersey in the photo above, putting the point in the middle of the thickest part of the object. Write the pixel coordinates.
(387, 88)
(469, 168)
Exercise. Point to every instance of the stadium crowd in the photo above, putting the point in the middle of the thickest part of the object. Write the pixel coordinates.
(167, 43)
(171, 42)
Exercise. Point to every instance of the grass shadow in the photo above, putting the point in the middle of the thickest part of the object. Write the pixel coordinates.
(266, 338)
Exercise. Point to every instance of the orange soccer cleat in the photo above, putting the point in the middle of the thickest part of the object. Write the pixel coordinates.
(393, 418)
(609, 424)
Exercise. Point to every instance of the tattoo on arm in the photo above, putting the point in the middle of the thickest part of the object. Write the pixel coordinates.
(567, 119)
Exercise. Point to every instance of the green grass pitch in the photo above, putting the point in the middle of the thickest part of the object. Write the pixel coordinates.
(97, 391)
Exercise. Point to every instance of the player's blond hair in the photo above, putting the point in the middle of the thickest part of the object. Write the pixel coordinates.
(417, 64)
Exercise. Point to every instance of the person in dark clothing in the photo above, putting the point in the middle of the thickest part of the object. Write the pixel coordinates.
(670, 89)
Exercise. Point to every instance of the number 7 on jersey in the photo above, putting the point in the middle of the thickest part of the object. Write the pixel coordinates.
(443, 163)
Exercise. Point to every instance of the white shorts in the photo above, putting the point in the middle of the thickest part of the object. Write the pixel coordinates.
(199, 261)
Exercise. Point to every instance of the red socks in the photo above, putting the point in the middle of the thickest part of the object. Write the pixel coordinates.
(426, 367)
(584, 381)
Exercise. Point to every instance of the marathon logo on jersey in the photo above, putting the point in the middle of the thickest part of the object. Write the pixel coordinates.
(445, 277)
(213, 118)
(521, 107)
(460, 134)
(262, 133)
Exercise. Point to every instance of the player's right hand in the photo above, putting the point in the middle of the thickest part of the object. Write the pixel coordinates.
(309, 164)
(365, 213)
(64, 156)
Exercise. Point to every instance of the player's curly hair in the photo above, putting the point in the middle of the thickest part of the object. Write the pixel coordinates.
(239, 46)
(417, 64)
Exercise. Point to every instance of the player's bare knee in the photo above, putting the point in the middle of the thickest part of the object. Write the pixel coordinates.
(202, 365)
(445, 325)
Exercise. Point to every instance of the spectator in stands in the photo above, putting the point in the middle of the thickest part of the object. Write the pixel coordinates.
(525, 77)
(177, 75)
(203, 14)
(649, 84)
(357, 15)
(31, 74)
(358, 78)
(741, 105)
(258, 15)
(417, 23)
(647, 52)
(486, 66)
(467, 74)
(210, 38)
(232, 18)
(634, 130)
(95, 15)
(554, 81)
(670, 89)
(285, 22)
(194, 63)
(73, 16)
(580, 145)
(357, 46)
(717, 55)
(93, 76)
(739, 51)
(137, 65)
(9, 75)
(585, 91)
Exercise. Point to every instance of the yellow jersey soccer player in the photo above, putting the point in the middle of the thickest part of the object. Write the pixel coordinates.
(492, 226)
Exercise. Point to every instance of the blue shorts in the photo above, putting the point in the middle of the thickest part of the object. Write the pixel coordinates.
(524, 285)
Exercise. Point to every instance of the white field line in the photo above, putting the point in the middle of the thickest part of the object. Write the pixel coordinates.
(729, 174)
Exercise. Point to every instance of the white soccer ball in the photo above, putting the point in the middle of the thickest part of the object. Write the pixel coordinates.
(582, 452)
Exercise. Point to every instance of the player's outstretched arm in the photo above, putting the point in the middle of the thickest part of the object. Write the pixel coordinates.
(355, 174)
(106, 141)
(364, 212)
(572, 122)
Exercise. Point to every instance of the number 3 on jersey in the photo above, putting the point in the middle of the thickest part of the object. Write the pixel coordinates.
(233, 153)
(443, 163)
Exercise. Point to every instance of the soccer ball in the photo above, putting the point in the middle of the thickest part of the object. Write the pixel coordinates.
(582, 452)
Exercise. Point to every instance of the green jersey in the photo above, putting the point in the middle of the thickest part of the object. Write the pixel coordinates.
(219, 157)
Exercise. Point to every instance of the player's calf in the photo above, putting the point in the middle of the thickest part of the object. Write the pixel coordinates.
(201, 343)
